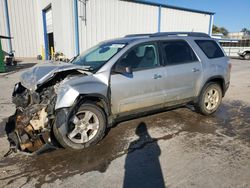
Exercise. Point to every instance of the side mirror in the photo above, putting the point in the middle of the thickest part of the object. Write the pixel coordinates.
(123, 69)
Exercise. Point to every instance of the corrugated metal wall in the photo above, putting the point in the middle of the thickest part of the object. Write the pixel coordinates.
(49, 21)
(179, 20)
(63, 25)
(113, 18)
(105, 19)
(23, 27)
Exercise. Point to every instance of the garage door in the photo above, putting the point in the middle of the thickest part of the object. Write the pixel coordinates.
(49, 21)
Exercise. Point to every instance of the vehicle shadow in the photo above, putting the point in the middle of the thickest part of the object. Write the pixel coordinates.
(142, 167)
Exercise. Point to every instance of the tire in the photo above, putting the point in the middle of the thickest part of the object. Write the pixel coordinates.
(70, 129)
(207, 105)
(247, 56)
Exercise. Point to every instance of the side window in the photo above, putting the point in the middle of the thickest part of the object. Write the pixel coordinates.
(141, 57)
(210, 48)
(178, 52)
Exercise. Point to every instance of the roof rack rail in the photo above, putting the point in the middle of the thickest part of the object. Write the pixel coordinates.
(190, 34)
(138, 35)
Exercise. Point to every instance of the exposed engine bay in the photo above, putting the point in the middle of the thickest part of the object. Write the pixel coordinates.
(33, 120)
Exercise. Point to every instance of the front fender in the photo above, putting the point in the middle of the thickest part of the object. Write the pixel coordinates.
(66, 97)
(67, 94)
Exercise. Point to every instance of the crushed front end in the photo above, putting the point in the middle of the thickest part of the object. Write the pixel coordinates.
(33, 118)
(30, 128)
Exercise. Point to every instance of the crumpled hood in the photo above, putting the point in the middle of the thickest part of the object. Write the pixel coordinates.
(44, 71)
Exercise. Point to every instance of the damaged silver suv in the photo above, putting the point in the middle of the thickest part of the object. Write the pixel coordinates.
(75, 103)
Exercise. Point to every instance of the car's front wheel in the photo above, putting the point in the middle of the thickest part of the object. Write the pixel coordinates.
(83, 127)
(209, 99)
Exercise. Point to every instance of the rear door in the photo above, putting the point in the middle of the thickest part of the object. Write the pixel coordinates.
(183, 70)
(217, 64)
(144, 87)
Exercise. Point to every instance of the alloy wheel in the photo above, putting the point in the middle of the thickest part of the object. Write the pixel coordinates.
(212, 99)
(84, 126)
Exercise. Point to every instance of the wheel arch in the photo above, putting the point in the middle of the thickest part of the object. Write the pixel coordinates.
(246, 53)
(216, 79)
(98, 99)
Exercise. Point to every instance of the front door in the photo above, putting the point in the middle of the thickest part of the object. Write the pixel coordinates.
(144, 87)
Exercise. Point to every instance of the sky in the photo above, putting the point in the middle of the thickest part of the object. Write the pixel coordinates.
(231, 14)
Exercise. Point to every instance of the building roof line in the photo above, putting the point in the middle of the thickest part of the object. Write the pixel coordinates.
(173, 7)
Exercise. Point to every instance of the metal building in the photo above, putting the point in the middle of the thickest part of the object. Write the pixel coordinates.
(72, 26)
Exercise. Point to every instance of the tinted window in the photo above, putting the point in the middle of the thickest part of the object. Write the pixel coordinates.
(142, 57)
(177, 52)
(210, 48)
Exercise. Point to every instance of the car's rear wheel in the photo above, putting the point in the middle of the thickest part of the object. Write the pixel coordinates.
(247, 56)
(83, 127)
(209, 99)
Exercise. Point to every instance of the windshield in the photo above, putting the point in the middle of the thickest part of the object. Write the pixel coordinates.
(97, 56)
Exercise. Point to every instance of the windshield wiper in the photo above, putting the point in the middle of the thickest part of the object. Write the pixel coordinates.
(84, 67)
(73, 58)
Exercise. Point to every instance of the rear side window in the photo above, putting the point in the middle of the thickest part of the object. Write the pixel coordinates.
(178, 52)
(210, 48)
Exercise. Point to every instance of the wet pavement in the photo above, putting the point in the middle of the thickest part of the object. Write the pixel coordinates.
(231, 121)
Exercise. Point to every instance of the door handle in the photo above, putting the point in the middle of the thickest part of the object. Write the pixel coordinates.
(195, 70)
(156, 76)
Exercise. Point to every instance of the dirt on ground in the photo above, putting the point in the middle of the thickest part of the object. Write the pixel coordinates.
(174, 148)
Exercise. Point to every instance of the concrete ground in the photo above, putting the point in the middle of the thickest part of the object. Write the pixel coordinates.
(177, 148)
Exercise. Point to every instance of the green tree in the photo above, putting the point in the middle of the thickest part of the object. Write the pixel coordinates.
(216, 29)
(246, 31)
(222, 30)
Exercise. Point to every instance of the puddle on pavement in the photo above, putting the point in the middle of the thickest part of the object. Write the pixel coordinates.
(232, 119)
